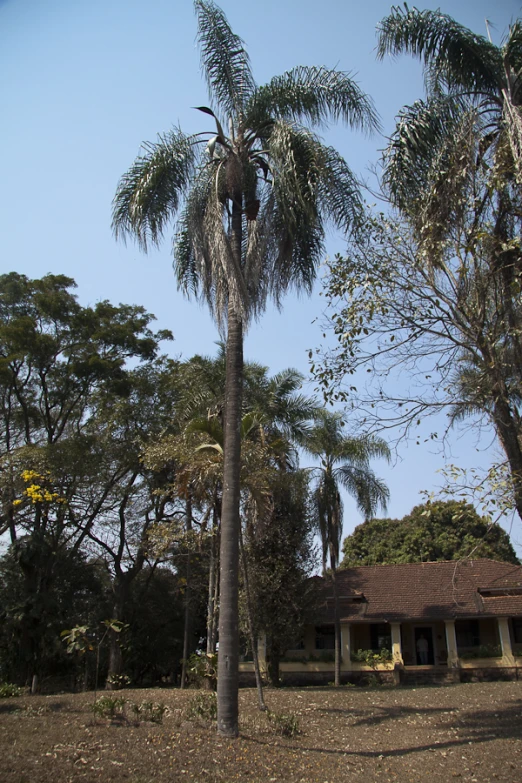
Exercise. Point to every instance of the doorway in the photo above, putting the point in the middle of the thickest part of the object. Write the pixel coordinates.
(424, 646)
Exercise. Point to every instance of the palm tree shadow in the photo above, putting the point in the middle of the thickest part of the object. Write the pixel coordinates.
(479, 726)
(385, 713)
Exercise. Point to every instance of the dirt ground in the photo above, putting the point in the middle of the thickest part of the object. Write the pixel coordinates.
(468, 732)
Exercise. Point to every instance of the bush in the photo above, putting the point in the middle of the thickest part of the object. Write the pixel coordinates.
(372, 658)
(112, 707)
(118, 681)
(202, 706)
(149, 711)
(7, 690)
(203, 667)
(284, 725)
(483, 651)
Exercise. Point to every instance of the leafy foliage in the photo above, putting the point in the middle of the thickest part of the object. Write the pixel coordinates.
(284, 724)
(9, 691)
(111, 707)
(202, 706)
(372, 658)
(439, 530)
(280, 560)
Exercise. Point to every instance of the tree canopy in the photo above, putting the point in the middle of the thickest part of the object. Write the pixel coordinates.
(438, 530)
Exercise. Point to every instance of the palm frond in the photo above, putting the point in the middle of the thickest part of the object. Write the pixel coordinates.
(210, 426)
(316, 95)
(360, 450)
(460, 57)
(512, 51)
(339, 194)
(150, 192)
(419, 133)
(298, 232)
(370, 492)
(224, 60)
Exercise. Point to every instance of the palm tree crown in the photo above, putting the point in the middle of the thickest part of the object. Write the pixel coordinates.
(344, 462)
(471, 83)
(260, 164)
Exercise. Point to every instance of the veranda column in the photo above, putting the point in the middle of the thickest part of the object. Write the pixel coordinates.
(451, 643)
(346, 646)
(505, 641)
(396, 644)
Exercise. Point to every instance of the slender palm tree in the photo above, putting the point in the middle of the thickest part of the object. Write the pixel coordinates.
(252, 204)
(344, 463)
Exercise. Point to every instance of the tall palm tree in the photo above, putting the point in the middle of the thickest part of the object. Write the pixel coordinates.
(252, 205)
(344, 463)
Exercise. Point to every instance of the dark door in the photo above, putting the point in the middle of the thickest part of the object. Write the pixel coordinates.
(424, 646)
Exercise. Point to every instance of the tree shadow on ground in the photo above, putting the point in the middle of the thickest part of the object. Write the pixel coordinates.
(385, 713)
(474, 726)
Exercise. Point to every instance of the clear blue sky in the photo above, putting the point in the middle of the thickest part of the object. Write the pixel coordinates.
(84, 82)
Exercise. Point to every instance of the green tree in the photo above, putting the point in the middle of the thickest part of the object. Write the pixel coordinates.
(281, 558)
(251, 226)
(135, 505)
(438, 530)
(37, 603)
(58, 362)
(344, 462)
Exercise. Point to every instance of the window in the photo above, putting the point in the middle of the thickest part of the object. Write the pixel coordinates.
(468, 633)
(381, 637)
(325, 637)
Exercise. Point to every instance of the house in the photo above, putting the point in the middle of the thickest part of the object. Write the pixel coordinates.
(459, 617)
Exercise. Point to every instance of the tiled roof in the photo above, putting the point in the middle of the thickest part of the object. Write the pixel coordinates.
(422, 591)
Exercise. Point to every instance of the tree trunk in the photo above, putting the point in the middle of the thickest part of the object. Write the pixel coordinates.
(188, 595)
(272, 663)
(228, 657)
(508, 428)
(337, 627)
(213, 593)
(253, 635)
(121, 592)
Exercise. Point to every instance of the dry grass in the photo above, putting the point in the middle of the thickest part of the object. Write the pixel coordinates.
(460, 732)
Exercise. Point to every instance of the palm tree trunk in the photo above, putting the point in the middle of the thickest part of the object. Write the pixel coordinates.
(228, 657)
(253, 635)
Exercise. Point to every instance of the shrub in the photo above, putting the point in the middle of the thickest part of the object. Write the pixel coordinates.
(7, 690)
(203, 667)
(202, 706)
(372, 658)
(483, 651)
(284, 725)
(371, 681)
(149, 711)
(118, 681)
(111, 707)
